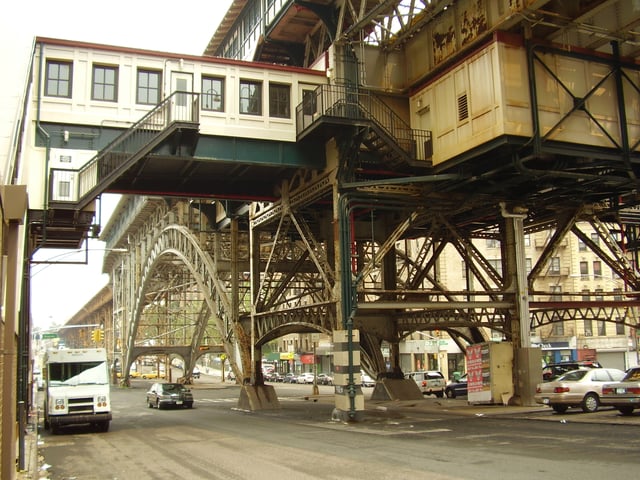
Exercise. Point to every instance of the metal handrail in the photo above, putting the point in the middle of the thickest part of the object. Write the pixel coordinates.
(345, 102)
(177, 107)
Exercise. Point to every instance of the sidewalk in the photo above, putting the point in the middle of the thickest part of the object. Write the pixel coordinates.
(31, 467)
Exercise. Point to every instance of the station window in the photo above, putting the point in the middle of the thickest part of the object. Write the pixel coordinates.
(105, 83)
(148, 88)
(58, 78)
(64, 189)
(279, 100)
(212, 94)
(250, 97)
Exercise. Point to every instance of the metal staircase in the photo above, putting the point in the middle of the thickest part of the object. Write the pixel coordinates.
(388, 136)
(176, 115)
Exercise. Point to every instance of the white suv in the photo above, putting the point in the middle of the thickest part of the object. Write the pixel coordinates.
(429, 382)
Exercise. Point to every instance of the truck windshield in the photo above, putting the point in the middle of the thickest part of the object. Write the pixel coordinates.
(85, 373)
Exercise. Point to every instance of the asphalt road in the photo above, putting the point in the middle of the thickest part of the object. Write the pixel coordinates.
(215, 440)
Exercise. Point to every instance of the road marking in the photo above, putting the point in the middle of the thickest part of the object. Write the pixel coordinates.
(385, 433)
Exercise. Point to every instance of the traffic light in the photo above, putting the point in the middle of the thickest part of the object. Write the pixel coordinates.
(97, 335)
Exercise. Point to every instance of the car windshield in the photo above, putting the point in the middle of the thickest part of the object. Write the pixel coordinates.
(573, 376)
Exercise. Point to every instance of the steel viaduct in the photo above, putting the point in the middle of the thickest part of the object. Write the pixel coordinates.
(230, 247)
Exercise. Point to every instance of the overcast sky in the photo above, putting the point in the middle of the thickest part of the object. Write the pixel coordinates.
(161, 25)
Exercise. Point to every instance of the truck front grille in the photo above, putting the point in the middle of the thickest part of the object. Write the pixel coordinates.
(81, 405)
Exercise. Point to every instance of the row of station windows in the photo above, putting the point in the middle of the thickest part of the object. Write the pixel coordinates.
(104, 87)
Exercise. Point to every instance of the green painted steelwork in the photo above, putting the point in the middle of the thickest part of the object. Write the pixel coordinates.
(251, 151)
(243, 150)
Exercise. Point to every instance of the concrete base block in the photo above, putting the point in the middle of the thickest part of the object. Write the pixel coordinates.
(343, 415)
(343, 412)
(258, 397)
(396, 389)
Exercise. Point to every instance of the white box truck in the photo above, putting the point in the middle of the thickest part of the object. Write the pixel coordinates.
(76, 388)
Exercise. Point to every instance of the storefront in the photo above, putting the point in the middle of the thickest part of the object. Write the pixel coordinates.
(554, 352)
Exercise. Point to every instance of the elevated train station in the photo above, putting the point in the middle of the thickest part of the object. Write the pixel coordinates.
(307, 172)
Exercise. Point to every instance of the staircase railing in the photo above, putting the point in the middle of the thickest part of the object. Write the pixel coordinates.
(71, 185)
(358, 105)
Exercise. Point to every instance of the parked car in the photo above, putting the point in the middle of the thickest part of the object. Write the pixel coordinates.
(195, 373)
(272, 376)
(429, 382)
(39, 381)
(325, 379)
(577, 388)
(290, 378)
(457, 388)
(551, 371)
(306, 377)
(366, 380)
(162, 395)
(152, 375)
(625, 394)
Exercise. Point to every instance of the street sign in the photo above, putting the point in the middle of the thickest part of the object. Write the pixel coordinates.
(46, 336)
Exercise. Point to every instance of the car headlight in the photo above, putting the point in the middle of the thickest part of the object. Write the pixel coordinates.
(102, 401)
(59, 404)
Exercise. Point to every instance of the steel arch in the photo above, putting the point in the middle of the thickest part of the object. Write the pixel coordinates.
(178, 241)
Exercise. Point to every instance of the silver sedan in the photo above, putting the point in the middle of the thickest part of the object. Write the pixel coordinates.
(624, 395)
(578, 388)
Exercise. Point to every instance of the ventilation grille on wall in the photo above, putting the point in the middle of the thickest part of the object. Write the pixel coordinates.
(463, 107)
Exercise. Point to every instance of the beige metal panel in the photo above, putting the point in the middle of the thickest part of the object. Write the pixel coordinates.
(487, 96)
(514, 91)
(463, 108)
(632, 102)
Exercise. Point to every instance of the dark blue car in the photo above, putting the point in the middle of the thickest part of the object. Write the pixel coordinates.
(457, 388)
